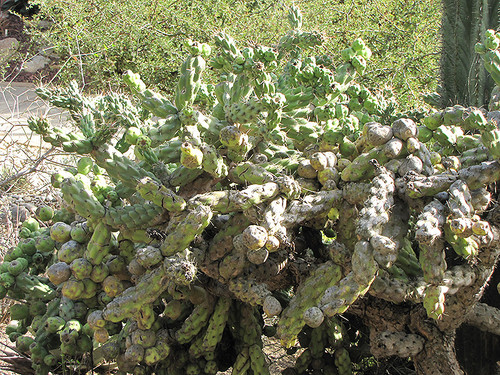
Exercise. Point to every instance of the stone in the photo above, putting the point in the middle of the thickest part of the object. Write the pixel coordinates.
(15, 214)
(48, 51)
(35, 63)
(8, 47)
(44, 25)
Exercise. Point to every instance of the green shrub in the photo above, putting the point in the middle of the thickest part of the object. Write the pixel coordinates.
(105, 39)
(100, 40)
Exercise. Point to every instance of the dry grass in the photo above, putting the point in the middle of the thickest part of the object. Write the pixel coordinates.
(27, 163)
(24, 181)
(11, 361)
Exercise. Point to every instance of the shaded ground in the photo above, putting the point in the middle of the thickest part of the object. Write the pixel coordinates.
(10, 357)
(12, 26)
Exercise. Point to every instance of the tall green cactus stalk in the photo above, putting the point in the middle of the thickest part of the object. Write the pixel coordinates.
(463, 78)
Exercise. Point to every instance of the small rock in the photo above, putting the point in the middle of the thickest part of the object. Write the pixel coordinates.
(30, 207)
(14, 214)
(44, 25)
(8, 47)
(48, 51)
(35, 63)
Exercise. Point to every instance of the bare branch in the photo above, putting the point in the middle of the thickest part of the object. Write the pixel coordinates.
(25, 172)
(404, 345)
(485, 317)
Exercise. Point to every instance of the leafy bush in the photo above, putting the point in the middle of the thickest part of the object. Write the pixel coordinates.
(102, 39)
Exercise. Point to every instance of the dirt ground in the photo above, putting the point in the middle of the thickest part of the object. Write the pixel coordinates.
(11, 26)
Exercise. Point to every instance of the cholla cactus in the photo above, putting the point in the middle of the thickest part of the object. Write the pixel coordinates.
(293, 194)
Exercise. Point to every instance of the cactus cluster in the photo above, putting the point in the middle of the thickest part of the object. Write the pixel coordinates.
(288, 190)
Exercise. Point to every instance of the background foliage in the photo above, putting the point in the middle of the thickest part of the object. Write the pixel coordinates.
(101, 39)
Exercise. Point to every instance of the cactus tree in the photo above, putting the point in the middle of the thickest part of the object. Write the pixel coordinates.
(289, 191)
